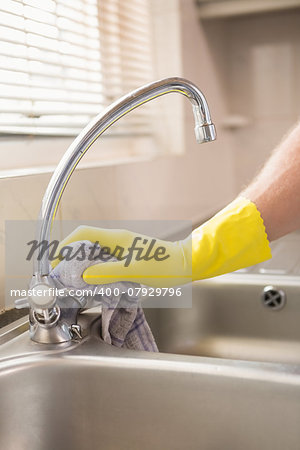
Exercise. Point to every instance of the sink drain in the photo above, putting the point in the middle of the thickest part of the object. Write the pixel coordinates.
(273, 298)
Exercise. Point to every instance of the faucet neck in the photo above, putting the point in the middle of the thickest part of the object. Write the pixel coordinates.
(204, 130)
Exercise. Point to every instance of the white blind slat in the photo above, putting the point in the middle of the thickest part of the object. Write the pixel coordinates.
(67, 74)
(63, 123)
(63, 61)
(55, 131)
(31, 83)
(68, 41)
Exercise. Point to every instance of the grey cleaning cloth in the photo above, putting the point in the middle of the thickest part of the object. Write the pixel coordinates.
(123, 321)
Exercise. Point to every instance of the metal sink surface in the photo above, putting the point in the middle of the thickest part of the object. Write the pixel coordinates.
(233, 317)
(227, 377)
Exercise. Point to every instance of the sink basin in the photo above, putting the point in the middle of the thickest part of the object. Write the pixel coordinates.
(229, 320)
(89, 395)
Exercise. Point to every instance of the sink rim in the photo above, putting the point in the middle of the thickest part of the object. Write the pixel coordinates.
(18, 350)
(22, 353)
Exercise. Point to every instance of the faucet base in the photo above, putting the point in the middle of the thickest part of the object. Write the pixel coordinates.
(56, 332)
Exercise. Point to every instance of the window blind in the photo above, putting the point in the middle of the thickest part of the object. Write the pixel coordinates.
(63, 61)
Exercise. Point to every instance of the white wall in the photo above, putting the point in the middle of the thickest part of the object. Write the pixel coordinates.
(260, 69)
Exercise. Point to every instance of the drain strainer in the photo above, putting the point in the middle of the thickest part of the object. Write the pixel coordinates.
(273, 298)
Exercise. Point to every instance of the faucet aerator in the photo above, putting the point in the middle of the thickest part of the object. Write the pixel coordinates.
(205, 133)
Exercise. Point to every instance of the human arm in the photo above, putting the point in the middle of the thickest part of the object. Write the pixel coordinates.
(276, 189)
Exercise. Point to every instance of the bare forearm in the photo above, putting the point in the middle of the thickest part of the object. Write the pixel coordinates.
(276, 190)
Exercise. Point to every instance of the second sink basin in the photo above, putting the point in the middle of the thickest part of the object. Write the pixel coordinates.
(232, 317)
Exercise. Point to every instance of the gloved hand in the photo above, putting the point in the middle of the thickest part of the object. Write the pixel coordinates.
(234, 238)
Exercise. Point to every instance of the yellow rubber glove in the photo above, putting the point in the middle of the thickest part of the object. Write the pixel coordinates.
(234, 238)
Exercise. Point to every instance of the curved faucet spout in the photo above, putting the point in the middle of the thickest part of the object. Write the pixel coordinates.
(204, 130)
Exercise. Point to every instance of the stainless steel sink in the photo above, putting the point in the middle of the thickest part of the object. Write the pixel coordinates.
(234, 317)
(89, 395)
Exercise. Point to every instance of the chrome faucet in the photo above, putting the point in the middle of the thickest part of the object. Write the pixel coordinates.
(48, 324)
